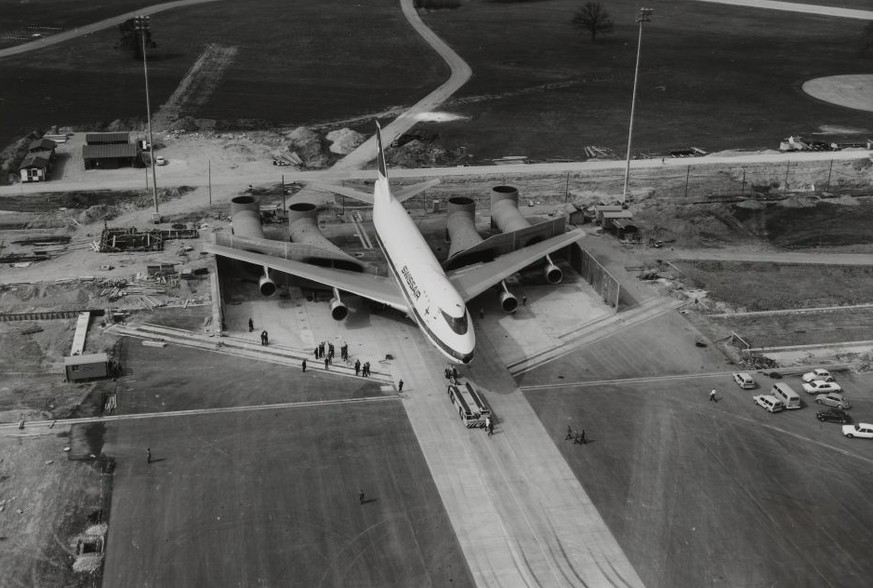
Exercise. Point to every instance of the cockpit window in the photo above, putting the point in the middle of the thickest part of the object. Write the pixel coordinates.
(458, 324)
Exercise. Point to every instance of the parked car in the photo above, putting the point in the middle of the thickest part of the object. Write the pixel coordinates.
(817, 374)
(821, 387)
(833, 399)
(863, 430)
(833, 415)
(769, 402)
(744, 380)
(160, 160)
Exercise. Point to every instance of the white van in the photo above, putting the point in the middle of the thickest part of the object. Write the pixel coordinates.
(788, 396)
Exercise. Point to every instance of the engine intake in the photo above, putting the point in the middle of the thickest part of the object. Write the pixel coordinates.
(338, 310)
(508, 302)
(553, 273)
(266, 285)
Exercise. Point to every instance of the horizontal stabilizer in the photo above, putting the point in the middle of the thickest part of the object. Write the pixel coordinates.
(410, 191)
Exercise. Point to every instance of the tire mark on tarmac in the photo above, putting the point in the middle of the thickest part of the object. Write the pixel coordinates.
(588, 384)
(200, 411)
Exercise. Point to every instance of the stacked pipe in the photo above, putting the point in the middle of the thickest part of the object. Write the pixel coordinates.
(245, 217)
(461, 224)
(245, 220)
(506, 216)
(303, 227)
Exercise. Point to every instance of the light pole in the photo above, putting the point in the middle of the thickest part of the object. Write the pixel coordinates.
(645, 15)
(141, 24)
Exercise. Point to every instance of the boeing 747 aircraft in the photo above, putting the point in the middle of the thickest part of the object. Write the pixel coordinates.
(418, 285)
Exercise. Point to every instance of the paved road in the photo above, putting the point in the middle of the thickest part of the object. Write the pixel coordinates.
(94, 27)
(797, 7)
(253, 173)
(734, 254)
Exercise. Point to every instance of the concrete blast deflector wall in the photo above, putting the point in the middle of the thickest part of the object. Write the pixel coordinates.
(461, 224)
(245, 217)
(504, 210)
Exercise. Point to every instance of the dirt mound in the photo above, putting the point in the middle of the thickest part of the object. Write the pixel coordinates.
(344, 141)
(309, 146)
(417, 153)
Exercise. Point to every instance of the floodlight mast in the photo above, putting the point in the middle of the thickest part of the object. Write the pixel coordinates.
(645, 15)
(142, 26)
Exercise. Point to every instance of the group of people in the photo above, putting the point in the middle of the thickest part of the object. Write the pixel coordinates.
(578, 438)
(363, 369)
(265, 336)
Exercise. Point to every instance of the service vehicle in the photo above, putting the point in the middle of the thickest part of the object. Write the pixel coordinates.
(863, 430)
(833, 415)
(821, 387)
(817, 374)
(834, 399)
(470, 405)
(769, 402)
(744, 380)
(787, 395)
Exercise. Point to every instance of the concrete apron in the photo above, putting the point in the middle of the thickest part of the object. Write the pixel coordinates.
(521, 516)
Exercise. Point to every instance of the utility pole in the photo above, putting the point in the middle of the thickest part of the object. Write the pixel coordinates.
(645, 15)
(830, 169)
(743, 190)
(787, 167)
(209, 178)
(143, 26)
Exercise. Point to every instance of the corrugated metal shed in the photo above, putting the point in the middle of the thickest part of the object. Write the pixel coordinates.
(106, 138)
(113, 150)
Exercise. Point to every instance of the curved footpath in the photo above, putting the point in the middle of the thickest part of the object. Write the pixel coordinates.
(461, 73)
(97, 26)
(797, 7)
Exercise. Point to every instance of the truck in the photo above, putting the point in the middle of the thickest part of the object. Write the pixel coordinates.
(471, 406)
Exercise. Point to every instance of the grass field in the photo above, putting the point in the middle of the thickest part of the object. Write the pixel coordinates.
(712, 76)
(299, 63)
(770, 286)
(272, 499)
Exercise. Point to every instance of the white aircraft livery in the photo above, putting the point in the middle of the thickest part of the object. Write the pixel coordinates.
(435, 304)
(418, 285)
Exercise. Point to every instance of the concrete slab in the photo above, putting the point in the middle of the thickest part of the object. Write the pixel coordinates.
(521, 516)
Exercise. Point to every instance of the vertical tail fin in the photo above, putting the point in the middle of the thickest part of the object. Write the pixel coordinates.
(383, 172)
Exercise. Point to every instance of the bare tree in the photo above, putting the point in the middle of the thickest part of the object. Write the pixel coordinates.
(594, 18)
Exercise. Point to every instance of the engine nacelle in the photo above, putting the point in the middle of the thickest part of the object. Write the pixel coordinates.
(338, 310)
(266, 285)
(553, 274)
(508, 302)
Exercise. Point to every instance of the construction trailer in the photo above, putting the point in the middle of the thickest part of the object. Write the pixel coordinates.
(80, 368)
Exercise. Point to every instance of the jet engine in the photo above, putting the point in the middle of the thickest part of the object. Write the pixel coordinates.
(338, 310)
(508, 301)
(553, 273)
(266, 284)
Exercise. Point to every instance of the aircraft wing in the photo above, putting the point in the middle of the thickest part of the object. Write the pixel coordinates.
(472, 281)
(376, 288)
